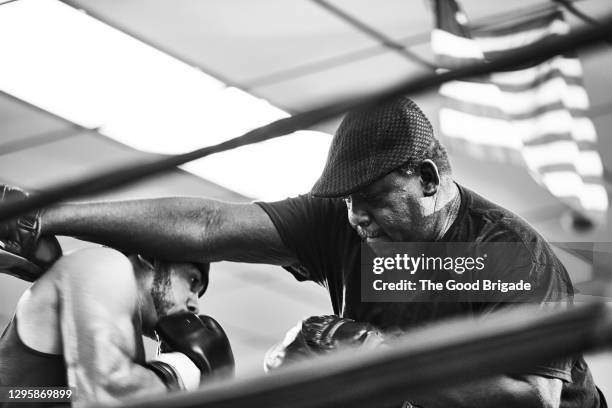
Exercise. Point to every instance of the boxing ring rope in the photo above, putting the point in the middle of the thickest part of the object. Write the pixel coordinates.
(580, 39)
(422, 361)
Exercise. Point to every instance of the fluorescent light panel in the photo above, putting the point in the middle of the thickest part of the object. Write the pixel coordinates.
(81, 69)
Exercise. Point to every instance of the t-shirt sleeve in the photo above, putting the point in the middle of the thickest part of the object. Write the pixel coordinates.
(313, 229)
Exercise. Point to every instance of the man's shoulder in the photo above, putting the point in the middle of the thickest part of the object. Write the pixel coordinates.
(495, 219)
(84, 278)
(513, 245)
(494, 223)
(103, 273)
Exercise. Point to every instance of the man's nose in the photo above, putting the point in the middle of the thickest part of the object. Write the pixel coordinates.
(193, 305)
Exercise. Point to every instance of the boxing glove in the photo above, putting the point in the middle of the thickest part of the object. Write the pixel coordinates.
(201, 339)
(23, 252)
(318, 335)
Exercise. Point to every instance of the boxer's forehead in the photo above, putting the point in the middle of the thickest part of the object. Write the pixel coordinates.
(195, 273)
(185, 270)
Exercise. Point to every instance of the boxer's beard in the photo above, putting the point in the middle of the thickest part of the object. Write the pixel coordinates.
(160, 291)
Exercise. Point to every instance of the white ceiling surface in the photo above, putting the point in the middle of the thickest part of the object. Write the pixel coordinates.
(105, 79)
(294, 54)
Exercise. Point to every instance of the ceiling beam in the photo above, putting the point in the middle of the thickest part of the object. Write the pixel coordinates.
(377, 35)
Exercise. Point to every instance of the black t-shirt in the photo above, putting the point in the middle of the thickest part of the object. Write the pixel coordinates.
(328, 251)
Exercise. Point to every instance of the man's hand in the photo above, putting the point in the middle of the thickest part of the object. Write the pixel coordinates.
(23, 252)
(202, 340)
(319, 335)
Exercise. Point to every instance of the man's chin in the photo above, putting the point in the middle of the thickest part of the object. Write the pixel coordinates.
(375, 240)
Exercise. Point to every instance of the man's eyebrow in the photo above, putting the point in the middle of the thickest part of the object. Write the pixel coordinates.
(369, 193)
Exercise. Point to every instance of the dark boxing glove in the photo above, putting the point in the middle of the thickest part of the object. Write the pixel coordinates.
(201, 339)
(23, 252)
(319, 335)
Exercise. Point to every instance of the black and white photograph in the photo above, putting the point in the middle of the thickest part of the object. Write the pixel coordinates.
(305, 203)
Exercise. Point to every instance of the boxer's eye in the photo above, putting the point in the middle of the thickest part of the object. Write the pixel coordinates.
(195, 284)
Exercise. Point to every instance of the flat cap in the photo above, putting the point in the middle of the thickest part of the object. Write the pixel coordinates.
(371, 143)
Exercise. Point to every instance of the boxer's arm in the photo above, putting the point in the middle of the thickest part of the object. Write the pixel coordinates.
(181, 228)
(98, 295)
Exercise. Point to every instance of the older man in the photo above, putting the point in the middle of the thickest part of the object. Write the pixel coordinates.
(387, 178)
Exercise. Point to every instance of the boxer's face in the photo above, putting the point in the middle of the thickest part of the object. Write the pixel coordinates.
(169, 288)
(175, 288)
(393, 208)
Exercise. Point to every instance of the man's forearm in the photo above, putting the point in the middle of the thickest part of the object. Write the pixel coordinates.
(166, 227)
(135, 382)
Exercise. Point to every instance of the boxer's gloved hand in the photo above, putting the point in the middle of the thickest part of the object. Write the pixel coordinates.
(201, 339)
(24, 253)
(329, 332)
(319, 335)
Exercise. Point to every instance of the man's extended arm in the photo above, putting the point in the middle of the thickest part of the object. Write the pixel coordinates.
(97, 306)
(179, 228)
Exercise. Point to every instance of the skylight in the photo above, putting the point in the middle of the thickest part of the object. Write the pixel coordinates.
(72, 65)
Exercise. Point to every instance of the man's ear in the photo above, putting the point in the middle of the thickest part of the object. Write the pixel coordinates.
(430, 177)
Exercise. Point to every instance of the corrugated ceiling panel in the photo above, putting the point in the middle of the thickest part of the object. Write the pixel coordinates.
(355, 79)
(239, 39)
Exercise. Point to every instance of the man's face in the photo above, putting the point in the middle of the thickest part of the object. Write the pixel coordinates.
(393, 208)
(175, 288)
(165, 288)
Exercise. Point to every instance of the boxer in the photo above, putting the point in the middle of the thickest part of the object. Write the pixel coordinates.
(81, 325)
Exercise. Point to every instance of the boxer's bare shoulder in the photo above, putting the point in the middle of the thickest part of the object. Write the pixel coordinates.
(91, 265)
(95, 274)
